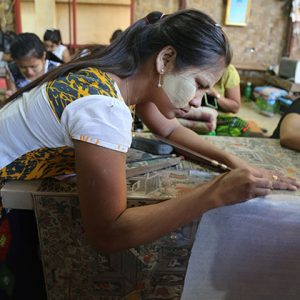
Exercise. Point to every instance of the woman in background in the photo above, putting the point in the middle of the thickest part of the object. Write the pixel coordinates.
(29, 62)
(227, 91)
(53, 43)
(225, 97)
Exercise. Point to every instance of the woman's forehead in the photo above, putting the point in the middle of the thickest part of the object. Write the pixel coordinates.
(49, 43)
(29, 61)
(205, 73)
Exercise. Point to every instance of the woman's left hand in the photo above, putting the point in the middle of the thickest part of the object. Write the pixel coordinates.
(279, 180)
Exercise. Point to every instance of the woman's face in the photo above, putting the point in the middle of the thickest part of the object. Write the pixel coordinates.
(31, 67)
(185, 89)
(50, 46)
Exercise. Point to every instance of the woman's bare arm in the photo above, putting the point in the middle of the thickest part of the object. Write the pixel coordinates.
(110, 226)
(11, 87)
(231, 101)
(66, 56)
(171, 129)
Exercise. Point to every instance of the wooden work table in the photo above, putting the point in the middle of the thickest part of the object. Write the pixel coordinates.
(154, 271)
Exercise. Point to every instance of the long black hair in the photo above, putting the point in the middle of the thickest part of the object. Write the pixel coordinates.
(27, 45)
(197, 39)
(53, 35)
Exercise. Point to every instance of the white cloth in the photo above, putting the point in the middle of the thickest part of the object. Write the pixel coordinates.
(59, 51)
(29, 123)
(249, 251)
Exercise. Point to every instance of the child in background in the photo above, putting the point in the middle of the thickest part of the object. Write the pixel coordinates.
(53, 43)
(29, 55)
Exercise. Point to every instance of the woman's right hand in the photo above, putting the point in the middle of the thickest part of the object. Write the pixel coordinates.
(238, 185)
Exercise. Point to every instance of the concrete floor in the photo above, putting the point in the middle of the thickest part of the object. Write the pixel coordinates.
(250, 112)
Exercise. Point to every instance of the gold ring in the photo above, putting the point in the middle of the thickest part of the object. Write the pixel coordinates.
(275, 177)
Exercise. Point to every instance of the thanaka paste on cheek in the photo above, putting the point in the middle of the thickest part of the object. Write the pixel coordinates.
(179, 89)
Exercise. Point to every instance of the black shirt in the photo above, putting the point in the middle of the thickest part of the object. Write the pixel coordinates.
(293, 108)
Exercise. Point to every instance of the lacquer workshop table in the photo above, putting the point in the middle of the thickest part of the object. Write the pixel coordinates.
(154, 271)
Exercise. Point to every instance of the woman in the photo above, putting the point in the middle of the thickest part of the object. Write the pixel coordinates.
(53, 43)
(227, 91)
(79, 116)
(227, 96)
(29, 55)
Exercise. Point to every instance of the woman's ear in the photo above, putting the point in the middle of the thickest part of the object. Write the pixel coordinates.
(165, 59)
(44, 56)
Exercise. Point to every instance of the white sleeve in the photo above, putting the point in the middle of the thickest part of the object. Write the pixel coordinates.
(100, 120)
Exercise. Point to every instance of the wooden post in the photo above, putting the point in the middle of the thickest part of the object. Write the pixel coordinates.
(18, 20)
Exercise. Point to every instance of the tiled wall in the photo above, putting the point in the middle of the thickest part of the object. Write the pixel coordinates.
(265, 33)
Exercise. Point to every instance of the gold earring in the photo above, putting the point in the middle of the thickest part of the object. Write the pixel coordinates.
(160, 77)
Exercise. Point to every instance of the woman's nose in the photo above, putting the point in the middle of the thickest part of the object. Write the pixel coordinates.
(30, 72)
(197, 100)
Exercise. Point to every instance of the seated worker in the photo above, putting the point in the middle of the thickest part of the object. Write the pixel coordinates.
(53, 43)
(227, 91)
(29, 55)
(288, 128)
(227, 95)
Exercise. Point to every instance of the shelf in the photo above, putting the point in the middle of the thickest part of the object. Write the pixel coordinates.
(251, 67)
(282, 83)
